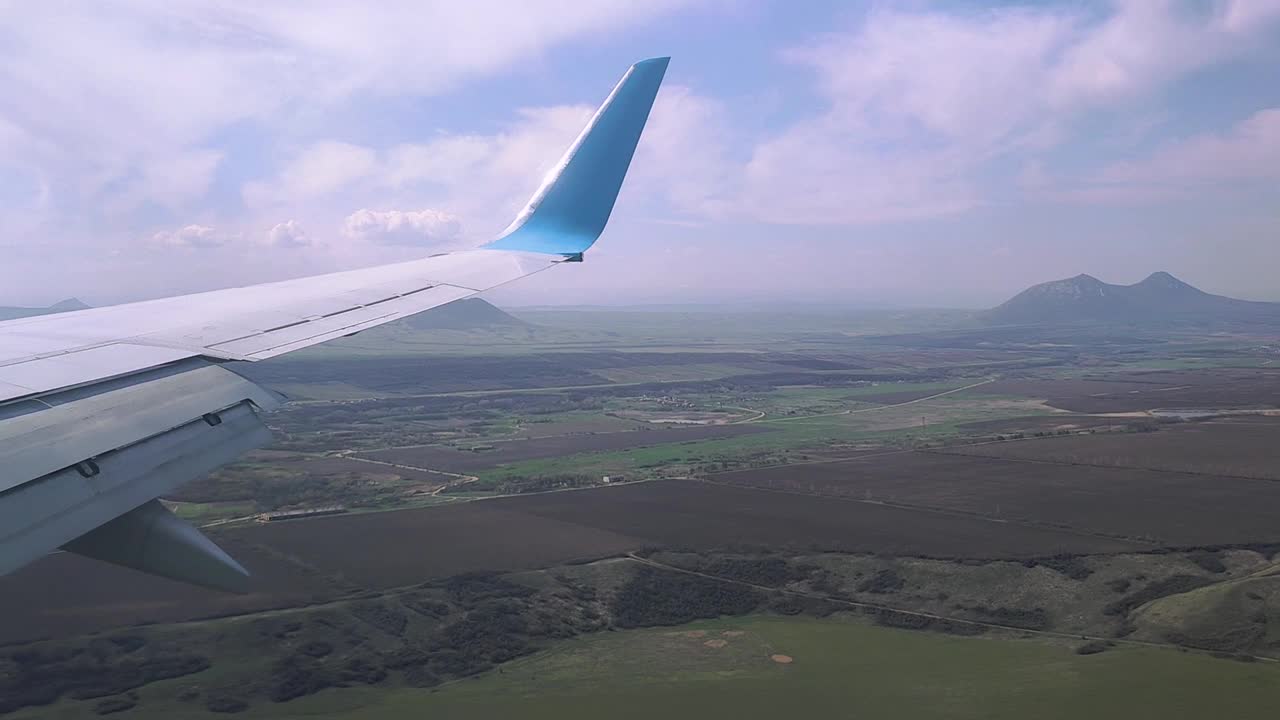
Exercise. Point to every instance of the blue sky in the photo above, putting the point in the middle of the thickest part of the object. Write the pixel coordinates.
(908, 153)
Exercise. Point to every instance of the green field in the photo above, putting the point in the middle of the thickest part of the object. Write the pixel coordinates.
(841, 669)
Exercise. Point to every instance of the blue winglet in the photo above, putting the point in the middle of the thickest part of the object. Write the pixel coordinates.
(569, 211)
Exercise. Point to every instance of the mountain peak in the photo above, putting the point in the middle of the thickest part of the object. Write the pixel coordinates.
(68, 305)
(467, 314)
(1160, 297)
(1164, 280)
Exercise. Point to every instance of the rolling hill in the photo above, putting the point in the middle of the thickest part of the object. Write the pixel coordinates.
(1159, 299)
(11, 313)
(465, 314)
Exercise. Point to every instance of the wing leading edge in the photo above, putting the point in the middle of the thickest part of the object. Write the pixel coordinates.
(104, 410)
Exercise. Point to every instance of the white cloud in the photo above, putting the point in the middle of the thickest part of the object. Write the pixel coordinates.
(482, 179)
(288, 234)
(320, 169)
(1245, 15)
(120, 103)
(428, 228)
(191, 237)
(925, 106)
(1248, 151)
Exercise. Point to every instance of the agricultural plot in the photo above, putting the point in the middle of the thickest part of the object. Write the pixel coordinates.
(65, 594)
(1242, 447)
(308, 561)
(500, 453)
(402, 547)
(1140, 391)
(1051, 423)
(1160, 507)
(273, 480)
(696, 515)
(406, 374)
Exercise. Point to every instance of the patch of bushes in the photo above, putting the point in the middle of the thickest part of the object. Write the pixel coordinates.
(1025, 618)
(1208, 560)
(127, 643)
(380, 615)
(115, 705)
(541, 483)
(43, 675)
(295, 676)
(316, 649)
(1118, 585)
(1231, 640)
(367, 671)
(1169, 586)
(421, 677)
(825, 582)
(1094, 647)
(768, 571)
(801, 605)
(653, 597)
(471, 588)
(1070, 566)
(425, 606)
(225, 704)
(912, 621)
(883, 582)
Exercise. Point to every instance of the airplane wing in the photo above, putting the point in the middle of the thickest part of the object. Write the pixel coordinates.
(104, 410)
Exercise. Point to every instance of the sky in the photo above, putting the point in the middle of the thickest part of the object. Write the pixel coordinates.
(883, 153)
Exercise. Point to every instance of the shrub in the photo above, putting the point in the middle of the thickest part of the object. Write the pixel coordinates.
(1208, 560)
(224, 704)
(1161, 588)
(114, 705)
(655, 597)
(1095, 647)
(884, 582)
(1118, 585)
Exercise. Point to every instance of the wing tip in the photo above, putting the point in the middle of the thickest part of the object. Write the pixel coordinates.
(571, 208)
(663, 60)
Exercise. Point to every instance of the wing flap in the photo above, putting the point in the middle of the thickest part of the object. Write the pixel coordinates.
(50, 511)
(38, 443)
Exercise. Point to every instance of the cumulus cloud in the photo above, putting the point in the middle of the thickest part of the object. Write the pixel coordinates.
(191, 236)
(288, 234)
(1249, 151)
(483, 179)
(318, 170)
(120, 106)
(925, 106)
(426, 228)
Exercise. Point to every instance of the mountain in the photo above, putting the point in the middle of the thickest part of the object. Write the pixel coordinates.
(10, 313)
(1159, 299)
(465, 314)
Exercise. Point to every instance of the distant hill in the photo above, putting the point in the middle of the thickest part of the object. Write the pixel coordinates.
(465, 314)
(1159, 299)
(10, 313)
